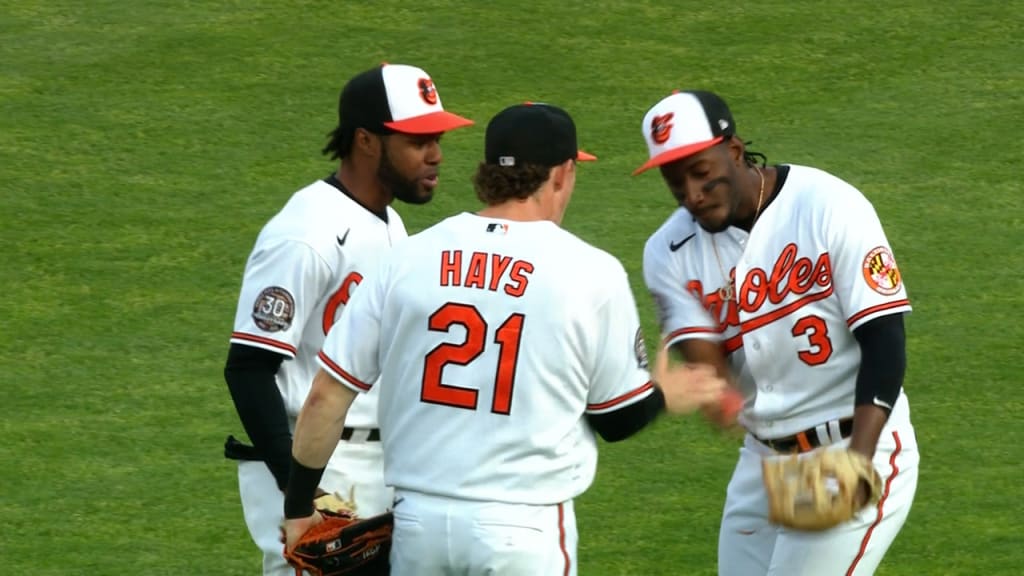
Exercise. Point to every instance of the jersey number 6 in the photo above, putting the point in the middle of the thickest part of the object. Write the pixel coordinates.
(506, 337)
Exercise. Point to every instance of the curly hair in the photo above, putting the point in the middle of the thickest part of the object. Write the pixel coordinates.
(497, 184)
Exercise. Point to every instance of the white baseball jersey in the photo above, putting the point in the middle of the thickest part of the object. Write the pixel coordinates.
(306, 264)
(491, 339)
(816, 266)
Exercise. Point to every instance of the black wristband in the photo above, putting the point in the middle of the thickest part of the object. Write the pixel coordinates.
(624, 422)
(302, 485)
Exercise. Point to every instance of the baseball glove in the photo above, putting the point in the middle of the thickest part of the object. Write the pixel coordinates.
(343, 543)
(336, 505)
(817, 491)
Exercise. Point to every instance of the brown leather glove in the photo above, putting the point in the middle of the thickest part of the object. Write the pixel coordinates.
(818, 490)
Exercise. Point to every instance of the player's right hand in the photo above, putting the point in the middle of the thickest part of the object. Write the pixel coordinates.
(724, 415)
(686, 387)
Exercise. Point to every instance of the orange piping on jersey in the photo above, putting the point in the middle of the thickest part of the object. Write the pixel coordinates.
(868, 311)
(561, 538)
(881, 502)
(262, 340)
(344, 375)
(692, 330)
(620, 399)
(733, 344)
(764, 319)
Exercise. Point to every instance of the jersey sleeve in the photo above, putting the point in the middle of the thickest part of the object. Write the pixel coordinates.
(865, 275)
(350, 351)
(681, 315)
(281, 288)
(620, 376)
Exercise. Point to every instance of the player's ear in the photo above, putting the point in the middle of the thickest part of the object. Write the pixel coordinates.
(561, 175)
(367, 143)
(736, 149)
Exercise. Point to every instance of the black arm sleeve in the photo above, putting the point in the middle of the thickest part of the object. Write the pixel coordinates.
(626, 421)
(883, 361)
(250, 373)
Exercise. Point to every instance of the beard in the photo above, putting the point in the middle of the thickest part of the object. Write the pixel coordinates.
(728, 182)
(714, 228)
(402, 188)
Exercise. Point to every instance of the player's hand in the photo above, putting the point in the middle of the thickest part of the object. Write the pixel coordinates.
(724, 414)
(686, 387)
(294, 528)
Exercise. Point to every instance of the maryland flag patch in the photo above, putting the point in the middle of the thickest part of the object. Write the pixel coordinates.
(880, 271)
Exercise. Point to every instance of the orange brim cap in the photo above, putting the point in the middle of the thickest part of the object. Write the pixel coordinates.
(432, 123)
(677, 154)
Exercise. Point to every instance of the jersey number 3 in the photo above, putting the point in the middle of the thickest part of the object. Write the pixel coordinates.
(817, 335)
(506, 337)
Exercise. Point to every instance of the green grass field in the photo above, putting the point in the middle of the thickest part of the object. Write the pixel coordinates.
(143, 145)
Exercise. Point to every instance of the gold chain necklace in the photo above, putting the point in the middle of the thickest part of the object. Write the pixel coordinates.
(728, 292)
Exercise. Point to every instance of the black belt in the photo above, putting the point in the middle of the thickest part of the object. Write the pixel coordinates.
(347, 434)
(807, 440)
(236, 450)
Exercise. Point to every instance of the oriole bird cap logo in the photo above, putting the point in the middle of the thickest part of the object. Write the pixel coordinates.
(427, 91)
(661, 127)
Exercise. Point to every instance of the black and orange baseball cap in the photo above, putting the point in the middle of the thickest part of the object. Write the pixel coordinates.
(685, 123)
(395, 98)
(532, 133)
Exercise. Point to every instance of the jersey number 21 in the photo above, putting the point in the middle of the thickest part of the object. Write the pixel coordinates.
(506, 337)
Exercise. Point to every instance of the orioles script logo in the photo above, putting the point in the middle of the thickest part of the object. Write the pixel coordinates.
(661, 128)
(789, 275)
(427, 91)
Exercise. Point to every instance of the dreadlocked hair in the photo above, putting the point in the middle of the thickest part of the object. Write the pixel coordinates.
(340, 143)
(753, 158)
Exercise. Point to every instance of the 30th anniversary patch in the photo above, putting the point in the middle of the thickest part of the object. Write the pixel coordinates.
(640, 348)
(274, 309)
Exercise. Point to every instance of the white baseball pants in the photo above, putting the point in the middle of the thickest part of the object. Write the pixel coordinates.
(439, 536)
(749, 546)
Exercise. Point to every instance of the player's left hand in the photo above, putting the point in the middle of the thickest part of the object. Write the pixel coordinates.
(819, 490)
(294, 528)
(862, 496)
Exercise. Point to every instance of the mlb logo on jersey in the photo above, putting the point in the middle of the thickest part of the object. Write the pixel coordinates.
(497, 228)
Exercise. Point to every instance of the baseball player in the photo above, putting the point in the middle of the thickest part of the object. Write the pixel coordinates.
(782, 277)
(502, 343)
(306, 264)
